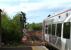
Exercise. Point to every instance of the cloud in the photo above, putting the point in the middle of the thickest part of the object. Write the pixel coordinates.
(10, 6)
(22, 6)
(46, 3)
(31, 6)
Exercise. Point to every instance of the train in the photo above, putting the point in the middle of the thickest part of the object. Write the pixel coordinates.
(57, 30)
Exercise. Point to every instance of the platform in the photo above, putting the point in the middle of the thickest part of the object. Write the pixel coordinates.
(27, 48)
(39, 48)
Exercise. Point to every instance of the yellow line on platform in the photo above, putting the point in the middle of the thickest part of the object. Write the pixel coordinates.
(39, 48)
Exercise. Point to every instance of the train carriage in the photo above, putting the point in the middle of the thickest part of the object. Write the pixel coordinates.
(57, 30)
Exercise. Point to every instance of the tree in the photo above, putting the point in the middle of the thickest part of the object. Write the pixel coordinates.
(11, 29)
(5, 27)
(35, 26)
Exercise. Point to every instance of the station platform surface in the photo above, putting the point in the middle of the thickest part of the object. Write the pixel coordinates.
(39, 48)
(27, 48)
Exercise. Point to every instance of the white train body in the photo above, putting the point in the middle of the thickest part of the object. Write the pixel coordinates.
(57, 30)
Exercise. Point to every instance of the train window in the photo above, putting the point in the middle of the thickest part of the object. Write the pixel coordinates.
(66, 30)
(66, 14)
(49, 29)
(58, 32)
(59, 16)
(53, 29)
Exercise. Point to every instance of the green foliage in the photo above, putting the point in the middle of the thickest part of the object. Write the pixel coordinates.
(11, 29)
(35, 26)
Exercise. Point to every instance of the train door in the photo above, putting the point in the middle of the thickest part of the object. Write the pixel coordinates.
(66, 36)
(58, 34)
(53, 38)
(46, 33)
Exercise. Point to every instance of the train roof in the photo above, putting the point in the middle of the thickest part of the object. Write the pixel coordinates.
(62, 15)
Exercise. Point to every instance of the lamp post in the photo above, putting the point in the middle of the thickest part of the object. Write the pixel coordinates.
(0, 27)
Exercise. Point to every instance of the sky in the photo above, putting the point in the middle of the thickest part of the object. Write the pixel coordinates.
(36, 10)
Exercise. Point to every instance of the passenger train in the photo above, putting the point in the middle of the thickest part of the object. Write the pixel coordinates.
(57, 30)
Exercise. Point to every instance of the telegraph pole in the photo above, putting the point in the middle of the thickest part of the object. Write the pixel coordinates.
(23, 22)
(23, 19)
(0, 28)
